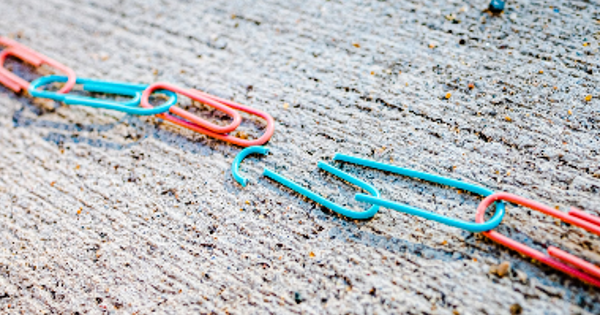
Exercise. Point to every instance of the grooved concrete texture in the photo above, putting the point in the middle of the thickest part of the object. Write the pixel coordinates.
(105, 212)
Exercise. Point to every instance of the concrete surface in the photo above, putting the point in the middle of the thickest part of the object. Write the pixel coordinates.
(102, 212)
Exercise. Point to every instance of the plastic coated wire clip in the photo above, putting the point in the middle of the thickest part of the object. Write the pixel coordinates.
(193, 125)
(34, 58)
(107, 87)
(556, 258)
(465, 225)
(237, 119)
(235, 166)
(323, 201)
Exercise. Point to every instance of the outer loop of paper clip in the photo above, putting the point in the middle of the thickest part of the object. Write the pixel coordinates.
(32, 55)
(588, 277)
(237, 119)
(465, 225)
(235, 166)
(107, 87)
(16, 83)
(323, 201)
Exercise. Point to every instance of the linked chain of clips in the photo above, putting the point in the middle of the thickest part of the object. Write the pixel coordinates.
(139, 103)
(555, 258)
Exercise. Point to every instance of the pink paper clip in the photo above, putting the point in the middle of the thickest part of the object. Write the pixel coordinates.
(224, 137)
(32, 57)
(237, 119)
(556, 258)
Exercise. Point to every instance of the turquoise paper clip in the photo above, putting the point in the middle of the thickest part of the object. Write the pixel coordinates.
(331, 205)
(99, 86)
(465, 225)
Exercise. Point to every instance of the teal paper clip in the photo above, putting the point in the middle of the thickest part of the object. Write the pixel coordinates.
(331, 205)
(107, 87)
(465, 225)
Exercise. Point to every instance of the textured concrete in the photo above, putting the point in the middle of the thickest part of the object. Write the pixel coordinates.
(102, 211)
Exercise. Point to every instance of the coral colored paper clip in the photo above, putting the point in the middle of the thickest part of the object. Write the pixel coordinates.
(237, 119)
(268, 133)
(34, 58)
(556, 258)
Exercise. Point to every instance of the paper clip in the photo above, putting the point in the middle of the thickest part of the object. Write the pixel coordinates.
(107, 87)
(235, 166)
(34, 58)
(578, 268)
(237, 119)
(331, 205)
(465, 225)
(268, 133)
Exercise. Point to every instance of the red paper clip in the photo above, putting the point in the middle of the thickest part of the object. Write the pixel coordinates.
(32, 57)
(577, 267)
(237, 119)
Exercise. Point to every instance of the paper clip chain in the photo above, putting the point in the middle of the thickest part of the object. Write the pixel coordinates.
(584, 271)
(190, 120)
(465, 225)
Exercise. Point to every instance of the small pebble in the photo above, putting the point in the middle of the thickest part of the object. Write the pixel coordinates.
(242, 135)
(46, 104)
(522, 276)
(516, 309)
(503, 269)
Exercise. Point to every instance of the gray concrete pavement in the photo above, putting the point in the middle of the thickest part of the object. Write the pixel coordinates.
(100, 211)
